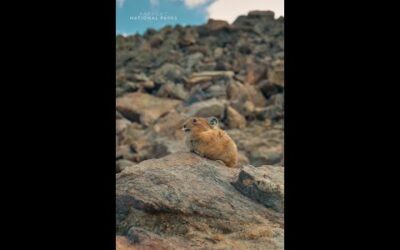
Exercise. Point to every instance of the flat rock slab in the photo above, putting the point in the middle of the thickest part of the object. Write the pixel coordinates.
(144, 108)
(189, 201)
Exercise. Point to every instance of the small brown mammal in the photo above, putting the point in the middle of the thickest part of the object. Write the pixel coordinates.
(205, 138)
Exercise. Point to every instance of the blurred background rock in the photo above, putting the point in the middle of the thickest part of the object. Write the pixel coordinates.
(232, 71)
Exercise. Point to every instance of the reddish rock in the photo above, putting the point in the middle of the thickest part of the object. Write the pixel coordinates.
(170, 125)
(234, 119)
(255, 72)
(144, 108)
(216, 25)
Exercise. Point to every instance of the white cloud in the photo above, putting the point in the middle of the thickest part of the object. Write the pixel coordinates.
(120, 3)
(194, 3)
(229, 10)
(154, 2)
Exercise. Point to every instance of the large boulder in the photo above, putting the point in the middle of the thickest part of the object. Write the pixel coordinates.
(184, 200)
(211, 107)
(238, 92)
(144, 108)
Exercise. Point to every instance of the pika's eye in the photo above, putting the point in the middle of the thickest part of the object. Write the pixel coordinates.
(194, 120)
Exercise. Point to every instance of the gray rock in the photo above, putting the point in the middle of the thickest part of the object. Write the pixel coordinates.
(122, 164)
(187, 200)
(212, 107)
(264, 184)
(262, 144)
(193, 59)
(277, 99)
(266, 156)
(172, 90)
(272, 112)
(270, 89)
(169, 72)
(216, 90)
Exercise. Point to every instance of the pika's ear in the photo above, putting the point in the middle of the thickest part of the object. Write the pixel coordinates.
(213, 121)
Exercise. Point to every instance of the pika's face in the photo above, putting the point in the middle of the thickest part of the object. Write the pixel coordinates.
(199, 124)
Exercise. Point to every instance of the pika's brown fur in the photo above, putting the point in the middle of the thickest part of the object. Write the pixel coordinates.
(205, 138)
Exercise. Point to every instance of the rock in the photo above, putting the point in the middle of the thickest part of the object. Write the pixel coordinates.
(207, 76)
(121, 124)
(144, 108)
(198, 94)
(277, 99)
(126, 86)
(169, 72)
(260, 142)
(136, 143)
(193, 60)
(122, 164)
(218, 52)
(118, 115)
(245, 92)
(172, 90)
(123, 243)
(236, 92)
(264, 184)
(255, 72)
(272, 112)
(119, 91)
(164, 137)
(149, 240)
(170, 125)
(242, 159)
(141, 80)
(255, 96)
(234, 119)
(125, 152)
(246, 109)
(147, 85)
(212, 107)
(269, 89)
(270, 15)
(186, 200)
(276, 73)
(216, 90)
(265, 155)
(156, 41)
(187, 39)
(166, 145)
(216, 25)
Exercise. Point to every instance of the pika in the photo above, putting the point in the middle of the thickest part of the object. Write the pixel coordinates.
(205, 138)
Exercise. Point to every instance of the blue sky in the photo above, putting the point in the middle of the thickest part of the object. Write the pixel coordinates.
(131, 15)
(136, 16)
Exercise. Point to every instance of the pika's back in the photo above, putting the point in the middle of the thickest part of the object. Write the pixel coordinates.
(204, 137)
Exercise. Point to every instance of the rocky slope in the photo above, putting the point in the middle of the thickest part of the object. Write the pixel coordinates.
(233, 72)
(168, 198)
